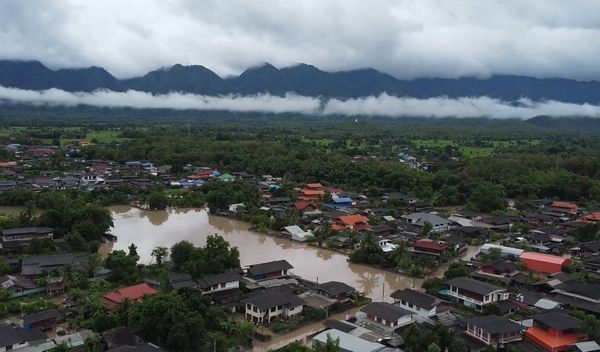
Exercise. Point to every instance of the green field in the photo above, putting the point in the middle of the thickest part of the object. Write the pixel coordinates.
(469, 150)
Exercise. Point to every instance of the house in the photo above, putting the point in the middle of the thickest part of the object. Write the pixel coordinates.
(13, 338)
(493, 330)
(296, 233)
(16, 284)
(75, 339)
(386, 245)
(579, 291)
(505, 252)
(270, 270)
(543, 263)
(307, 207)
(382, 230)
(228, 280)
(565, 207)
(475, 294)
(387, 314)
(45, 319)
(585, 346)
(226, 178)
(355, 222)
(237, 207)
(91, 179)
(592, 217)
(429, 247)
(33, 266)
(347, 342)
(311, 195)
(120, 336)
(499, 267)
(19, 238)
(131, 293)
(555, 331)
(314, 186)
(262, 306)
(438, 223)
(341, 202)
(179, 281)
(417, 302)
(335, 290)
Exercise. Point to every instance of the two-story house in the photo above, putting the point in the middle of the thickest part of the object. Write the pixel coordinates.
(475, 294)
(270, 270)
(417, 302)
(229, 280)
(263, 306)
(493, 330)
(19, 238)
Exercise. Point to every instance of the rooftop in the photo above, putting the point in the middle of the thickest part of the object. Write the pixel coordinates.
(558, 320)
(494, 324)
(419, 299)
(473, 285)
(384, 310)
(269, 267)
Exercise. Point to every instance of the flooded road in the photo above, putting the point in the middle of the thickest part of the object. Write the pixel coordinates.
(150, 229)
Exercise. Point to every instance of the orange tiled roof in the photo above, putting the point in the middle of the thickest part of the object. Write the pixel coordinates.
(353, 219)
(551, 341)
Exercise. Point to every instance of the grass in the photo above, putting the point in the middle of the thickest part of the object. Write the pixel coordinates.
(470, 150)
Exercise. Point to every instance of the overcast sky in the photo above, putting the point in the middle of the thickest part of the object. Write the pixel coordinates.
(406, 38)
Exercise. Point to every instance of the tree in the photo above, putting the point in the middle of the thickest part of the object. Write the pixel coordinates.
(181, 253)
(433, 285)
(132, 250)
(457, 269)
(41, 246)
(427, 227)
(158, 201)
(124, 267)
(159, 254)
(433, 348)
(487, 197)
(94, 263)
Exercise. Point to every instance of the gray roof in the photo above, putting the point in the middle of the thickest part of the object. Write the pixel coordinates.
(35, 265)
(41, 316)
(472, 285)
(216, 279)
(272, 298)
(558, 320)
(27, 230)
(421, 218)
(384, 310)
(581, 289)
(335, 288)
(339, 325)
(265, 268)
(419, 299)
(494, 324)
(10, 335)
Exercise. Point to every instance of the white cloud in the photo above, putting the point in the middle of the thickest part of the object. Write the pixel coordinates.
(406, 38)
(382, 105)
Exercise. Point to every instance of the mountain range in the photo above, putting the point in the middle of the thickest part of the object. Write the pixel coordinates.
(301, 79)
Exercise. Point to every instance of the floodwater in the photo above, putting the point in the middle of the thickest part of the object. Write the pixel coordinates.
(150, 229)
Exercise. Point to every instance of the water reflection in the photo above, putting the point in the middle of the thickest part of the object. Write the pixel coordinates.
(149, 229)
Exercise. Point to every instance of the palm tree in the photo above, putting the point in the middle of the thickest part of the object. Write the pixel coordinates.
(93, 264)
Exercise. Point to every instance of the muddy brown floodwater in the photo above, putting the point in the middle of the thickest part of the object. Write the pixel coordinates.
(150, 229)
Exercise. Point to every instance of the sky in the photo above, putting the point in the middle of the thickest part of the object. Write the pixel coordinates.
(406, 38)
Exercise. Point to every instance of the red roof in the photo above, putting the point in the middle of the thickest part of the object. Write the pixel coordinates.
(314, 185)
(430, 244)
(310, 192)
(545, 263)
(8, 164)
(302, 205)
(552, 341)
(592, 217)
(353, 219)
(132, 293)
(565, 205)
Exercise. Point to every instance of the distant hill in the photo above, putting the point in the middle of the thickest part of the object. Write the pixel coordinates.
(302, 79)
(573, 124)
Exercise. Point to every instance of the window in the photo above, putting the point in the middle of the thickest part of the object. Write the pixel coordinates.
(222, 285)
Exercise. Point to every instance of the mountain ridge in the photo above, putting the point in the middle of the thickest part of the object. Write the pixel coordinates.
(301, 79)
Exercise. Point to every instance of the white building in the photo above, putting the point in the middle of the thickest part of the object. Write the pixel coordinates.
(438, 223)
(474, 293)
(417, 302)
(296, 233)
(263, 306)
(219, 282)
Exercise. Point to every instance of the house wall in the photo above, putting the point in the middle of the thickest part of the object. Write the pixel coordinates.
(223, 287)
(420, 311)
(15, 346)
(405, 320)
(471, 299)
(543, 266)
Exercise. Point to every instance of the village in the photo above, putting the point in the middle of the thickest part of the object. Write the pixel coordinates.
(532, 285)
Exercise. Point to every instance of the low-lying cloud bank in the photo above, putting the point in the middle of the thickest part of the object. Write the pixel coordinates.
(382, 105)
